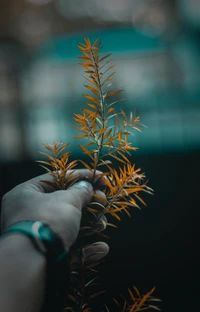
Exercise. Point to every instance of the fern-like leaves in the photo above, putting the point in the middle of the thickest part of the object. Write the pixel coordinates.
(58, 165)
(106, 132)
(138, 302)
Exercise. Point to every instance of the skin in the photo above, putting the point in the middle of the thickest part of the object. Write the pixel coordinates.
(22, 267)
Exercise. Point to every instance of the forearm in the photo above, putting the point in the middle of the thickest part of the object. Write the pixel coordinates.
(22, 271)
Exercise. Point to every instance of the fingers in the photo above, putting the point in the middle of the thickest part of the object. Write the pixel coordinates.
(85, 174)
(92, 253)
(100, 198)
(95, 252)
(89, 254)
(38, 183)
(99, 202)
(79, 195)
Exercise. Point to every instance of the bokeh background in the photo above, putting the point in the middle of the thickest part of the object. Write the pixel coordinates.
(156, 46)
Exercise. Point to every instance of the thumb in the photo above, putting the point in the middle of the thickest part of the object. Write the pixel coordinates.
(80, 194)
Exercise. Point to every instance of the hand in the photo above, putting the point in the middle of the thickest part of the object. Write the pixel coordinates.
(62, 210)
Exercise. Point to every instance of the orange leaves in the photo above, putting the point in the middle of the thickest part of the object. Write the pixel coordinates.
(104, 57)
(94, 123)
(138, 302)
(112, 141)
(86, 152)
(59, 165)
(92, 98)
(57, 148)
(106, 132)
(110, 110)
(122, 186)
(142, 303)
(113, 93)
(94, 65)
(96, 92)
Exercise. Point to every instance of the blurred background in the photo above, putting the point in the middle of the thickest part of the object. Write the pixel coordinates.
(156, 47)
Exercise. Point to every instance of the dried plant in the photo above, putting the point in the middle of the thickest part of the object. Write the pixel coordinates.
(138, 302)
(106, 134)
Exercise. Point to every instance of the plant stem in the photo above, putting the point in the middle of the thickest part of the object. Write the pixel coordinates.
(102, 102)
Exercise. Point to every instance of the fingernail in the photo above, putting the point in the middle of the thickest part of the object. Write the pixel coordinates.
(95, 252)
(84, 184)
(100, 225)
(98, 243)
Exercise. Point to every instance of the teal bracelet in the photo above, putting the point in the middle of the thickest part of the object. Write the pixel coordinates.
(52, 247)
(43, 238)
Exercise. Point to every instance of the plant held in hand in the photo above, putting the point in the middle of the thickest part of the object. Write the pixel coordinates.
(106, 133)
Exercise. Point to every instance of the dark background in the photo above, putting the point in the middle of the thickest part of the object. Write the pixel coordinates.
(159, 245)
(156, 48)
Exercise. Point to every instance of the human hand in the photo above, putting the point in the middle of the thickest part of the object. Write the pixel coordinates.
(62, 210)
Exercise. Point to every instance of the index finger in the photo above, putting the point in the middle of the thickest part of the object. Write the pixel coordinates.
(38, 183)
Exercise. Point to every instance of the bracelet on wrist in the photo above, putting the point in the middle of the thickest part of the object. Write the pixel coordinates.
(51, 246)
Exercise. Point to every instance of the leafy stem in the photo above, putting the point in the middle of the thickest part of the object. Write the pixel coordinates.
(102, 105)
(122, 185)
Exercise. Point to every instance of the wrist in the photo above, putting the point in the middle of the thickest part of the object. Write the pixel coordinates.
(22, 270)
(19, 244)
(43, 238)
(48, 244)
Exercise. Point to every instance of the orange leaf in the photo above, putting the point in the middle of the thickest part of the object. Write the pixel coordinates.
(89, 71)
(93, 81)
(86, 165)
(131, 294)
(145, 298)
(84, 57)
(96, 92)
(111, 109)
(112, 225)
(124, 307)
(81, 136)
(104, 162)
(114, 215)
(44, 162)
(141, 200)
(97, 42)
(111, 210)
(71, 297)
(104, 57)
(132, 309)
(116, 302)
(136, 290)
(86, 151)
(92, 105)
(97, 294)
(117, 158)
(93, 99)
(49, 147)
(113, 93)
(92, 210)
